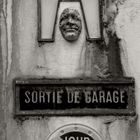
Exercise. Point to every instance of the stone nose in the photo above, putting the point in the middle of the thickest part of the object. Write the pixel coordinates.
(71, 20)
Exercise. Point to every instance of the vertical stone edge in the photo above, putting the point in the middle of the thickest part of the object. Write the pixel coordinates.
(3, 65)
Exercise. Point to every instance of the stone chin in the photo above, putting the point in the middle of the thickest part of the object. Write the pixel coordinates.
(70, 36)
(70, 24)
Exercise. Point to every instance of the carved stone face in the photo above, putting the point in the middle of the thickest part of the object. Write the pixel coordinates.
(70, 24)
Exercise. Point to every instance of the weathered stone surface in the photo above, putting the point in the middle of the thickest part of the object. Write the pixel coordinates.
(3, 57)
(20, 55)
(127, 27)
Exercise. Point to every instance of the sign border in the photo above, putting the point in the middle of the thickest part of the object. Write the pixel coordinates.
(130, 111)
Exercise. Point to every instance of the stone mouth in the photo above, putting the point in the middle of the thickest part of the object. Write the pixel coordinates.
(73, 28)
(70, 30)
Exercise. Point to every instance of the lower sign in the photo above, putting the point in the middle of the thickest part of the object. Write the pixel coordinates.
(75, 132)
(74, 97)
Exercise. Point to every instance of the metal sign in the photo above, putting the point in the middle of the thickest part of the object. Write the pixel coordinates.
(74, 97)
(75, 132)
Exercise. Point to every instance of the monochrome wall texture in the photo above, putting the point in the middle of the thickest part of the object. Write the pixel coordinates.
(21, 55)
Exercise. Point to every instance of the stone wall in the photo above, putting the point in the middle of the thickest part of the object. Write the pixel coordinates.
(21, 56)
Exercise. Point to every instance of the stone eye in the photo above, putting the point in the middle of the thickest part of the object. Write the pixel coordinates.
(65, 16)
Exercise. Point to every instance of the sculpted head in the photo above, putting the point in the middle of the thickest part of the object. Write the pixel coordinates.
(70, 24)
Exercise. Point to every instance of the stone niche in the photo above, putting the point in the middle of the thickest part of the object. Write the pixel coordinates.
(86, 56)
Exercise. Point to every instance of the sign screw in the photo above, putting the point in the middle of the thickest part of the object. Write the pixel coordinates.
(89, 132)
